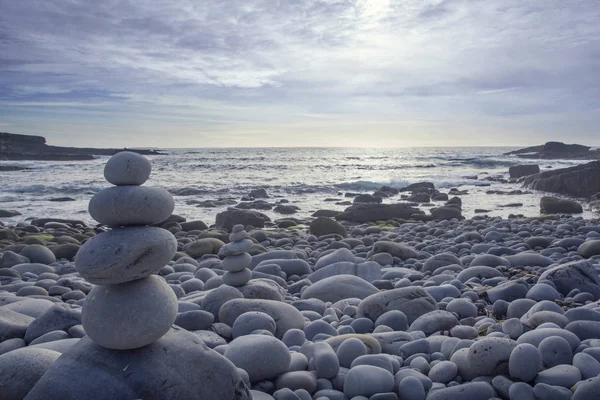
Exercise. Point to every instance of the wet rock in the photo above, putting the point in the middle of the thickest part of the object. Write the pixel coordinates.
(555, 205)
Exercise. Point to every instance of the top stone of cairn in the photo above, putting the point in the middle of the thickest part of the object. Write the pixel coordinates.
(127, 168)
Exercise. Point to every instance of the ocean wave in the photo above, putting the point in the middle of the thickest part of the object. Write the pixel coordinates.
(481, 162)
(41, 189)
(372, 185)
(191, 191)
(450, 183)
(280, 167)
(9, 199)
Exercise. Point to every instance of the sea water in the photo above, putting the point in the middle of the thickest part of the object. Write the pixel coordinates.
(303, 176)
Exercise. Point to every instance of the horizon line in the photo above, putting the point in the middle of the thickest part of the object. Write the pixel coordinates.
(318, 147)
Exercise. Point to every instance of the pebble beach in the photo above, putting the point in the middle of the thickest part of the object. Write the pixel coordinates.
(423, 295)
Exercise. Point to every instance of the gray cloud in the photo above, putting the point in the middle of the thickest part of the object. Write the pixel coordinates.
(221, 63)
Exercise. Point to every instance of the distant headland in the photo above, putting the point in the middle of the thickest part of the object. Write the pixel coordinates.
(30, 147)
(556, 151)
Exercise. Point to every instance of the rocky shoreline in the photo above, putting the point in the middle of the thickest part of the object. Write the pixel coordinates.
(382, 301)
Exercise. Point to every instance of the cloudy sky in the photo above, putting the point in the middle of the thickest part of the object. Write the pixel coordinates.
(207, 73)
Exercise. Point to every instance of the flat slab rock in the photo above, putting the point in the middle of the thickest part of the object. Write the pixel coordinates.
(177, 366)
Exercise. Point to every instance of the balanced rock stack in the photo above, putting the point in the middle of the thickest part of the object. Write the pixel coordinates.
(129, 308)
(237, 260)
(132, 349)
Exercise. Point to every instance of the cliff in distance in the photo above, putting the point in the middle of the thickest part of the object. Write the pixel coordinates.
(30, 147)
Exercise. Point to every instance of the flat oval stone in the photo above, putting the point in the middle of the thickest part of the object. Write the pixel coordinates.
(194, 320)
(411, 388)
(529, 259)
(125, 254)
(464, 308)
(443, 372)
(584, 329)
(560, 375)
(367, 380)
(490, 356)
(262, 357)
(327, 364)
(555, 350)
(37, 253)
(394, 319)
(237, 278)
(525, 362)
(127, 168)
(589, 249)
(349, 350)
(131, 205)
(237, 263)
(587, 365)
(251, 321)
(129, 315)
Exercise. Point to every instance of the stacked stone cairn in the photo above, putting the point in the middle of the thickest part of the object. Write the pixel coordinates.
(132, 349)
(237, 260)
(129, 307)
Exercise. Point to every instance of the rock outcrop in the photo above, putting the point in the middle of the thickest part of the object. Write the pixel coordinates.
(555, 205)
(364, 212)
(234, 216)
(579, 181)
(519, 171)
(557, 150)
